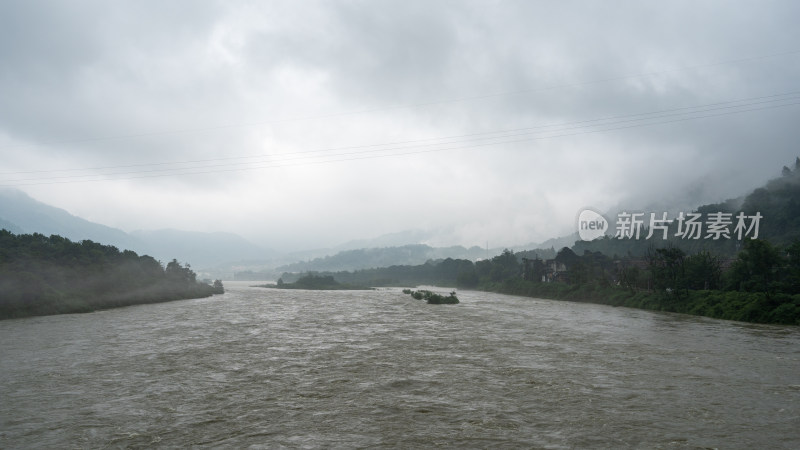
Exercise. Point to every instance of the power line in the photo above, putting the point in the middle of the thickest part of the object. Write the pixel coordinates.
(372, 154)
(738, 103)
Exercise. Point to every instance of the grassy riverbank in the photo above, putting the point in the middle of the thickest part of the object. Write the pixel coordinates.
(756, 307)
(71, 303)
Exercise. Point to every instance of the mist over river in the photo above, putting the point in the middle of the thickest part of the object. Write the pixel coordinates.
(265, 368)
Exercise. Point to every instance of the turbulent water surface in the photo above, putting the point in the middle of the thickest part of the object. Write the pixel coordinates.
(277, 368)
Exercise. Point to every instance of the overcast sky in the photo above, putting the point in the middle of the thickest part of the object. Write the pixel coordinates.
(308, 124)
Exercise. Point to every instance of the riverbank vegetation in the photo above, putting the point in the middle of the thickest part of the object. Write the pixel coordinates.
(762, 284)
(755, 279)
(757, 307)
(434, 272)
(42, 275)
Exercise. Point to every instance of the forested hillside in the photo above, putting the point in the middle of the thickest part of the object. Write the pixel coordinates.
(777, 203)
(51, 275)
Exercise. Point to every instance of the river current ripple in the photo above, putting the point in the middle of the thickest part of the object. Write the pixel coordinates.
(264, 368)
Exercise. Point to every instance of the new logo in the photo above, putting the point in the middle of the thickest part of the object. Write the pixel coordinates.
(591, 225)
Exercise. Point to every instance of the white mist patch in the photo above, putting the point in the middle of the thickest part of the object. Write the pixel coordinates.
(591, 225)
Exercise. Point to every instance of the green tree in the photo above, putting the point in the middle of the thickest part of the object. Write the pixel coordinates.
(467, 278)
(483, 269)
(629, 276)
(792, 276)
(756, 267)
(667, 268)
(218, 287)
(505, 266)
(180, 274)
(703, 271)
(576, 268)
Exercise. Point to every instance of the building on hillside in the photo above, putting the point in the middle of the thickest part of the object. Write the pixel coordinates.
(555, 271)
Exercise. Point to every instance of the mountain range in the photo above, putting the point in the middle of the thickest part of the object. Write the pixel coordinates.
(220, 254)
(19, 213)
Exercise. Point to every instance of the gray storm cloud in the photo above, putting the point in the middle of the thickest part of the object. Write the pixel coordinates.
(310, 124)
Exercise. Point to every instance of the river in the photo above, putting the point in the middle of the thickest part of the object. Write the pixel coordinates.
(260, 368)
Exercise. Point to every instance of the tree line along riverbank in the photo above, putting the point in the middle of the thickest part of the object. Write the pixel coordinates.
(42, 275)
(755, 279)
(762, 285)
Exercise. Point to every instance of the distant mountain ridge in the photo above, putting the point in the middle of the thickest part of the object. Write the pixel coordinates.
(4, 224)
(19, 213)
(32, 216)
(396, 239)
(367, 258)
(206, 250)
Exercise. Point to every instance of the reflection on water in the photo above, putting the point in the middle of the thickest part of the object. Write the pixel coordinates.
(268, 368)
